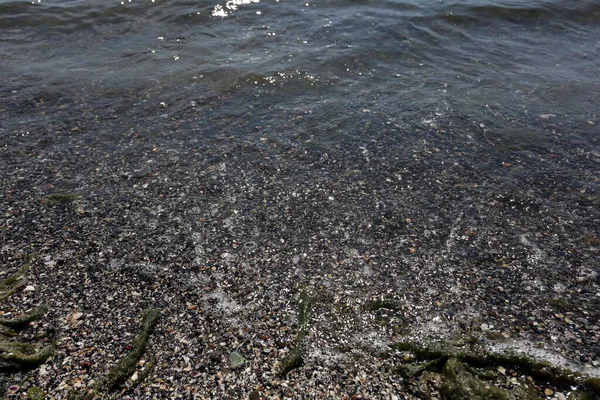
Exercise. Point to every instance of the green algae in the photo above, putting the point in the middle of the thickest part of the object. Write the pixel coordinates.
(465, 372)
(24, 320)
(295, 357)
(23, 357)
(62, 197)
(463, 382)
(126, 366)
(593, 385)
(108, 385)
(16, 355)
(144, 372)
(16, 281)
(36, 393)
(561, 304)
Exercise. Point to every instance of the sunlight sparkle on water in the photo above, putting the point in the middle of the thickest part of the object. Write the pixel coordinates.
(231, 5)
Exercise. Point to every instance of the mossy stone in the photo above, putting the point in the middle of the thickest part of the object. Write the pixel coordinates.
(236, 359)
(36, 393)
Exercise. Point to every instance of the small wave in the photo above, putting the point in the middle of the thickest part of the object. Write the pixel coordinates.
(521, 12)
(69, 17)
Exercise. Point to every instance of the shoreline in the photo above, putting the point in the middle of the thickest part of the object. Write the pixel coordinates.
(425, 234)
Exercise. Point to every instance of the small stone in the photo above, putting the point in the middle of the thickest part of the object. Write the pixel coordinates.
(29, 289)
(43, 371)
(502, 370)
(215, 356)
(485, 327)
(548, 392)
(560, 396)
(236, 359)
(255, 395)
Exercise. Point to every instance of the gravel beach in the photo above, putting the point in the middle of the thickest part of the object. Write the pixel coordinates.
(225, 235)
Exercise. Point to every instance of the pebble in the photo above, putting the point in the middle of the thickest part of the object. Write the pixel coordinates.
(255, 395)
(215, 356)
(560, 396)
(236, 359)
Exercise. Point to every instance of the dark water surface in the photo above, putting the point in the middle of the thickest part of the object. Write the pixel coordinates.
(421, 64)
(444, 154)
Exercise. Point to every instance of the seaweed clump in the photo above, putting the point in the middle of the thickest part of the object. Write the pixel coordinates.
(126, 367)
(15, 354)
(62, 197)
(295, 357)
(472, 373)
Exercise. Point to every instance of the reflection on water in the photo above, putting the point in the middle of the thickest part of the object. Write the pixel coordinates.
(231, 5)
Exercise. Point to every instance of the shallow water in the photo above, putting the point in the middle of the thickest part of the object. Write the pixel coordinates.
(510, 71)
